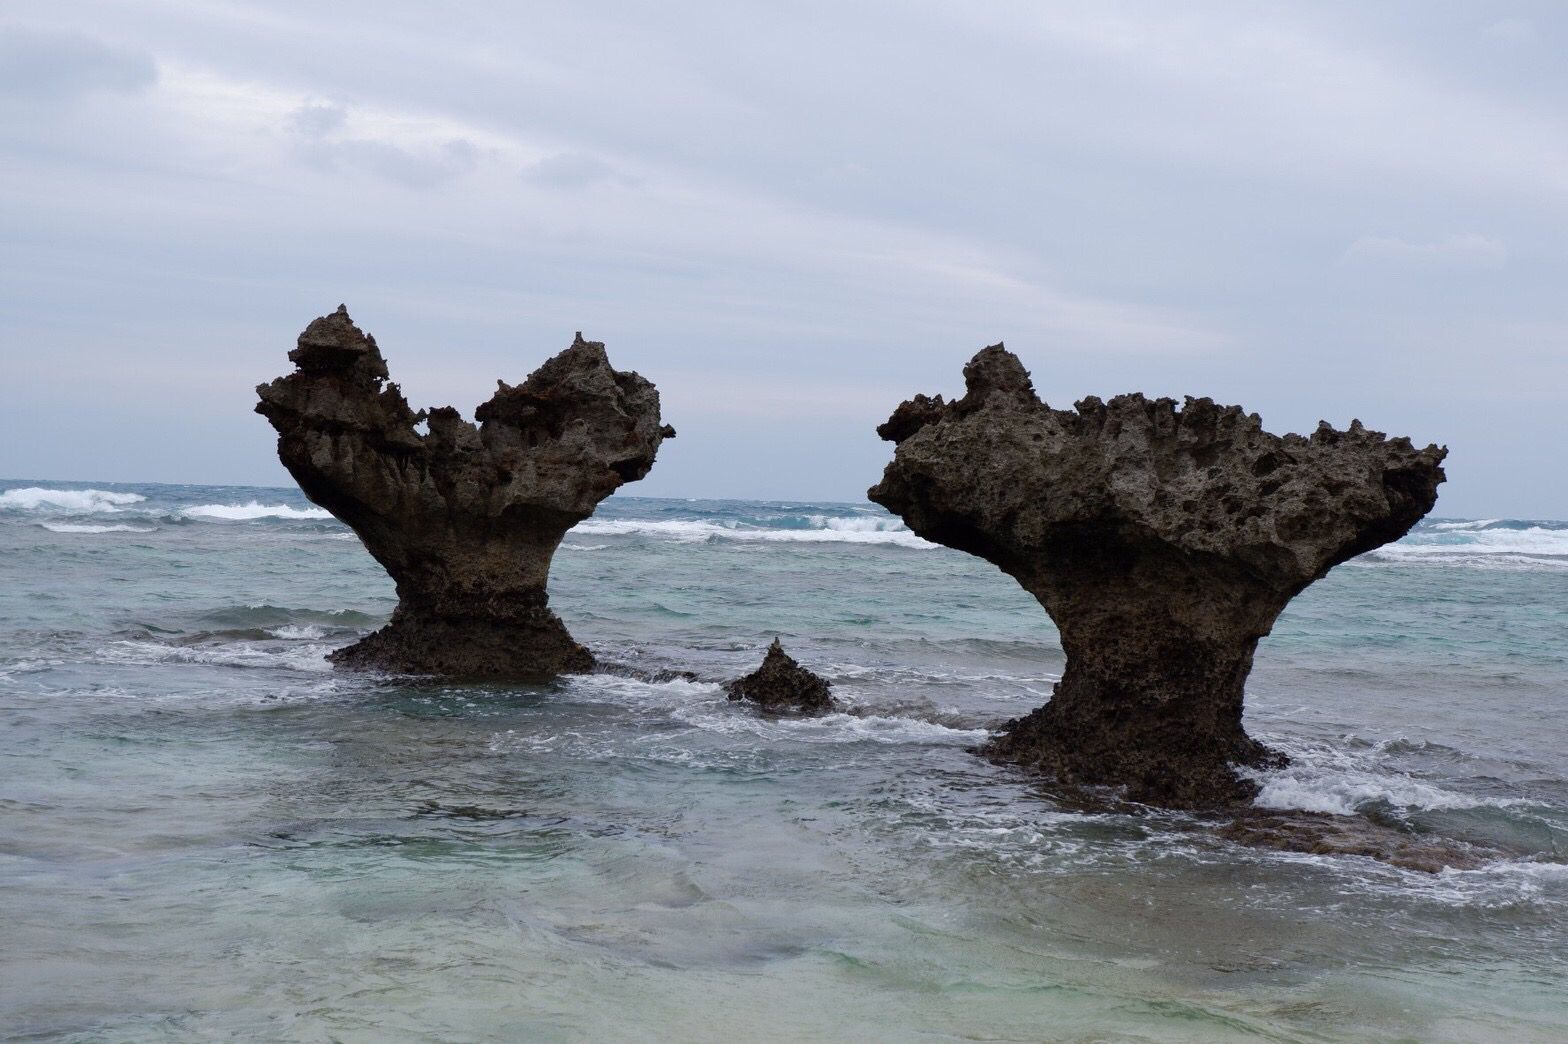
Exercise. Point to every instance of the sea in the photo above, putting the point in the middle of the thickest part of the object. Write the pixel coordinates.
(208, 834)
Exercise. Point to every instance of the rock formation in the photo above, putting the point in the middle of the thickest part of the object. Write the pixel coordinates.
(781, 685)
(466, 517)
(1322, 833)
(1162, 540)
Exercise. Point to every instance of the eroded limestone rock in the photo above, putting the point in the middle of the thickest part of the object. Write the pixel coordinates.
(783, 686)
(1162, 540)
(465, 517)
(1320, 833)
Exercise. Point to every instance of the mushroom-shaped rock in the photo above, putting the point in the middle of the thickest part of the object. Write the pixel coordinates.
(1163, 540)
(781, 685)
(465, 517)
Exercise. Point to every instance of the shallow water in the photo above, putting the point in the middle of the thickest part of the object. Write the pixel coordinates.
(209, 835)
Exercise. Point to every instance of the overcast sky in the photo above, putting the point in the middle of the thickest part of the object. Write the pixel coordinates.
(790, 217)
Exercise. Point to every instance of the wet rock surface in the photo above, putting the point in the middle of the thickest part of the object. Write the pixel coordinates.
(465, 516)
(1319, 833)
(1162, 539)
(783, 686)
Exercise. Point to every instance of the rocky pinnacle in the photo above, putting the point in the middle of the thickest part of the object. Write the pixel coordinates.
(782, 686)
(465, 516)
(1163, 540)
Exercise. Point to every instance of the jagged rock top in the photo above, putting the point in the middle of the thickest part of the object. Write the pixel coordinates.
(465, 516)
(557, 443)
(781, 684)
(1001, 474)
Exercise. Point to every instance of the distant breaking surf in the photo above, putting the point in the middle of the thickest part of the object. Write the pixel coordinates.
(823, 529)
(73, 501)
(252, 510)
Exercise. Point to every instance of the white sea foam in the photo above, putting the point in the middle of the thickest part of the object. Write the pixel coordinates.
(703, 705)
(1499, 884)
(825, 529)
(1507, 882)
(74, 501)
(72, 527)
(827, 728)
(237, 654)
(1480, 523)
(298, 632)
(1320, 778)
(252, 510)
(11, 670)
(1485, 543)
(1345, 793)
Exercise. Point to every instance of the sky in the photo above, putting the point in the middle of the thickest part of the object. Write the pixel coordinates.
(790, 217)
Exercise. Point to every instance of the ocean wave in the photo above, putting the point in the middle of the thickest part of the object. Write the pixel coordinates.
(297, 632)
(823, 529)
(1323, 778)
(11, 670)
(1345, 794)
(72, 501)
(1488, 543)
(291, 656)
(252, 510)
(1480, 523)
(271, 617)
(1499, 562)
(1504, 883)
(73, 527)
(1500, 884)
(737, 719)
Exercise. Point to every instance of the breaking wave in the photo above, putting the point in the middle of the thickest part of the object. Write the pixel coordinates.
(1324, 778)
(73, 527)
(1489, 543)
(252, 510)
(248, 654)
(818, 529)
(73, 501)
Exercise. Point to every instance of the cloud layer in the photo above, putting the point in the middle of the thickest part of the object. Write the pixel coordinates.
(790, 218)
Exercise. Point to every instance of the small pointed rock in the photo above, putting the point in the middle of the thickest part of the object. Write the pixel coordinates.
(781, 685)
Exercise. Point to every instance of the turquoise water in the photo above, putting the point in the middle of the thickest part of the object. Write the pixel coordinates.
(206, 834)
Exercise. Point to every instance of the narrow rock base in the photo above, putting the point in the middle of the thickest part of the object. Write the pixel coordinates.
(535, 647)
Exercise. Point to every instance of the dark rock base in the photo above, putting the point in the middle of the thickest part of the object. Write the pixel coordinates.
(1164, 747)
(534, 647)
(1172, 769)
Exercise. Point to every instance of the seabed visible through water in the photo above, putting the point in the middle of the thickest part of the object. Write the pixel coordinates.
(206, 834)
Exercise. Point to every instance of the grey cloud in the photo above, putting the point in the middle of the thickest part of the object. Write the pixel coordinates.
(1335, 209)
(572, 170)
(1511, 31)
(413, 168)
(405, 166)
(50, 63)
(317, 119)
(1468, 251)
(318, 126)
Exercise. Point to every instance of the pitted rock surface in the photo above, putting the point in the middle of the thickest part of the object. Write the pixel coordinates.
(783, 686)
(1321, 833)
(466, 516)
(1163, 540)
